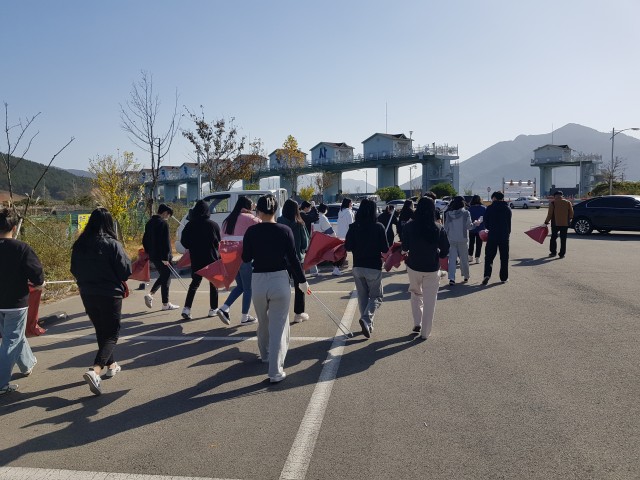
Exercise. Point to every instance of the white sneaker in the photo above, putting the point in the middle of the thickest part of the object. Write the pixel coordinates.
(186, 313)
(170, 306)
(93, 380)
(470, 258)
(247, 319)
(111, 372)
(8, 388)
(148, 300)
(300, 317)
(477, 259)
(336, 271)
(278, 378)
(30, 371)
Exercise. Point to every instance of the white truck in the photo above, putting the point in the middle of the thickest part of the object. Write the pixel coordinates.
(221, 204)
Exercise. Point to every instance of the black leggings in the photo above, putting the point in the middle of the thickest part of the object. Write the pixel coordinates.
(475, 241)
(105, 314)
(193, 288)
(163, 281)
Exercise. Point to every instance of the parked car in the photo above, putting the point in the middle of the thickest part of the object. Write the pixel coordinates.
(607, 213)
(221, 204)
(397, 203)
(441, 205)
(525, 202)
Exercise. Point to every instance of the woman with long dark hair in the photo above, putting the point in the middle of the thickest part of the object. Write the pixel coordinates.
(345, 218)
(100, 266)
(477, 210)
(271, 247)
(233, 229)
(368, 241)
(426, 243)
(457, 223)
(201, 236)
(406, 214)
(291, 218)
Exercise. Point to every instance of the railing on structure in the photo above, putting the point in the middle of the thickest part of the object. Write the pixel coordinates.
(571, 161)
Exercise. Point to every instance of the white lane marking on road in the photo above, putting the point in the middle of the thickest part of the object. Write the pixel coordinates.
(295, 468)
(21, 473)
(178, 338)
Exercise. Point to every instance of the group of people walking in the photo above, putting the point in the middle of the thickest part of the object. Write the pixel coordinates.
(273, 249)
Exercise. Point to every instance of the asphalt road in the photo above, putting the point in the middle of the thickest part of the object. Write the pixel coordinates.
(535, 378)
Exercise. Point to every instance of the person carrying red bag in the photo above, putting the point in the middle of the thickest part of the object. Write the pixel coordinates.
(20, 266)
(560, 215)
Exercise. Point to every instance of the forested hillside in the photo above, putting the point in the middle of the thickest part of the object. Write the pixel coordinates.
(58, 184)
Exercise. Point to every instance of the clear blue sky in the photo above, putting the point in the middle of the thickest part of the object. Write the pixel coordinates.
(463, 72)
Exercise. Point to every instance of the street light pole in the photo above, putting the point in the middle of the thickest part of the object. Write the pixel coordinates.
(613, 136)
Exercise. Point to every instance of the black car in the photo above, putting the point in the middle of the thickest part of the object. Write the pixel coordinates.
(607, 213)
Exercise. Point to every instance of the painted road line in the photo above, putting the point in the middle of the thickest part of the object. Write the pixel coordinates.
(295, 468)
(20, 473)
(90, 337)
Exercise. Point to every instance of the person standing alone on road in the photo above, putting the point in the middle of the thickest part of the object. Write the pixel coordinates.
(497, 219)
(201, 236)
(560, 215)
(101, 268)
(426, 242)
(157, 243)
(20, 266)
(271, 247)
(367, 240)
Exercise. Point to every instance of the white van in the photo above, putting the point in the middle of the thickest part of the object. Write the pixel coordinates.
(221, 204)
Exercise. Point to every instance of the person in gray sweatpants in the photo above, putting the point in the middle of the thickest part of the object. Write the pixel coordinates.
(270, 246)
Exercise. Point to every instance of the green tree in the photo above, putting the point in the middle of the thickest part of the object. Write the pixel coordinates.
(306, 193)
(444, 189)
(291, 161)
(390, 193)
(116, 187)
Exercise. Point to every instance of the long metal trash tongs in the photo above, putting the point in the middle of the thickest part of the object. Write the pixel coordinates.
(332, 316)
(177, 275)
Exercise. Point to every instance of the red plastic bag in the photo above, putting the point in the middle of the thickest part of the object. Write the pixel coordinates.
(223, 272)
(33, 329)
(393, 257)
(484, 235)
(185, 260)
(323, 247)
(444, 264)
(140, 269)
(538, 233)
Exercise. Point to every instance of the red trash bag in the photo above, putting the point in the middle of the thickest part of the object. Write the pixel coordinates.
(214, 272)
(185, 260)
(538, 233)
(335, 254)
(393, 257)
(140, 269)
(33, 329)
(444, 264)
(320, 245)
(484, 235)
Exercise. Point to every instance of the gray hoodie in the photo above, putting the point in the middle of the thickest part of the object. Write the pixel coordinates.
(457, 224)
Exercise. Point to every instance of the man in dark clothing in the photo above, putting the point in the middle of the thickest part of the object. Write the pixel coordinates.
(309, 214)
(497, 220)
(157, 243)
(388, 219)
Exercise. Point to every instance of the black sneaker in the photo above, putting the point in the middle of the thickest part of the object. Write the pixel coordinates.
(417, 329)
(366, 331)
(485, 280)
(552, 254)
(560, 256)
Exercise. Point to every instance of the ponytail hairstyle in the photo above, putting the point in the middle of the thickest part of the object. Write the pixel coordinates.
(100, 224)
(424, 220)
(229, 223)
(267, 204)
(291, 211)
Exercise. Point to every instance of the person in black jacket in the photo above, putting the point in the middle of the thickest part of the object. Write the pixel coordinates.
(310, 215)
(367, 240)
(388, 219)
(201, 236)
(157, 243)
(101, 268)
(497, 219)
(20, 267)
(426, 242)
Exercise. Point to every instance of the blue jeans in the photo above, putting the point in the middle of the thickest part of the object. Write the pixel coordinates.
(14, 348)
(243, 286)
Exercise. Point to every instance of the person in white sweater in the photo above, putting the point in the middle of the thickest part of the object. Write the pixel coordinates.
(457, 223)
